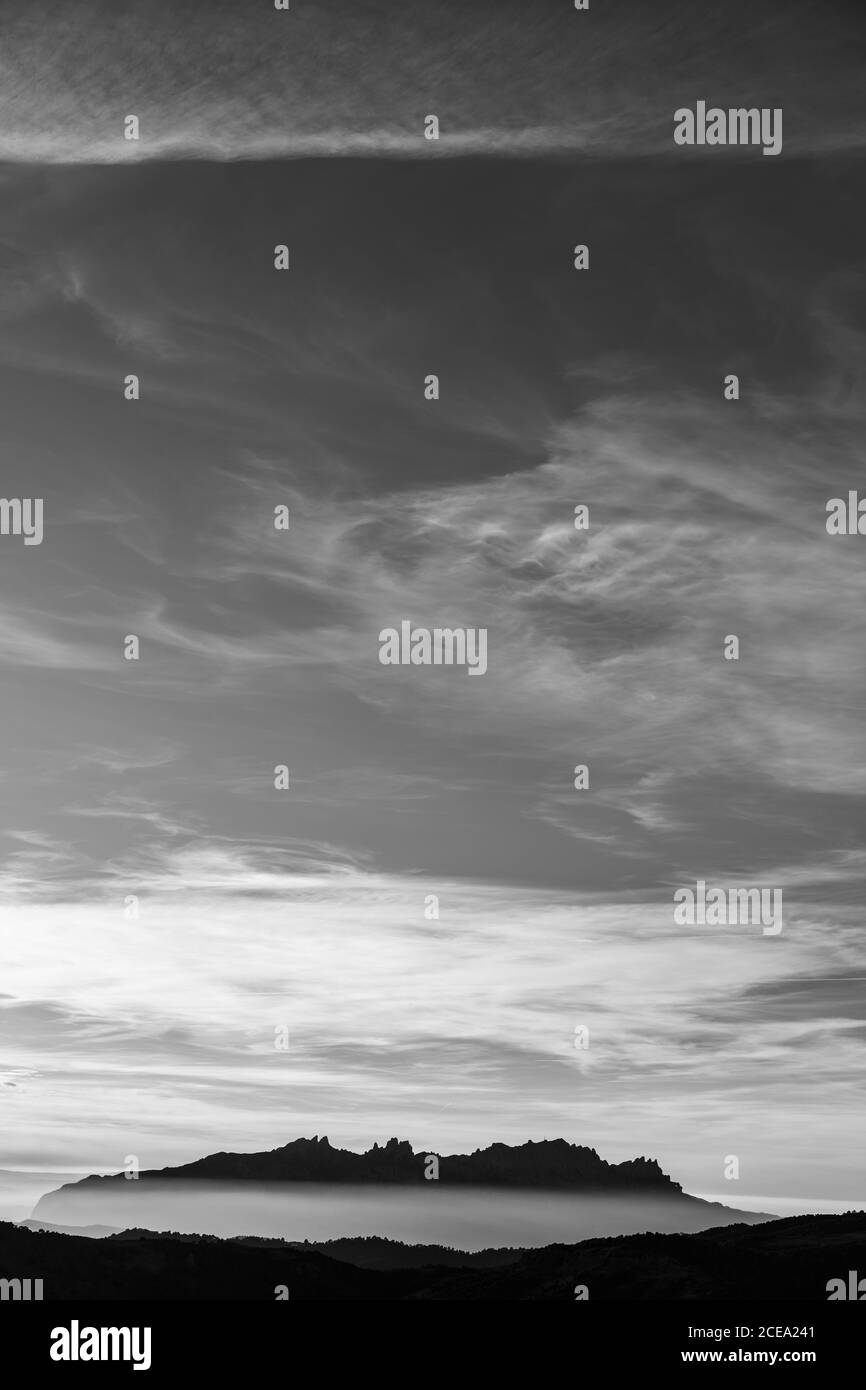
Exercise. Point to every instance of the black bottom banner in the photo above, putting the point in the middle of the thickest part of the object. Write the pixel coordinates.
(163, 1339)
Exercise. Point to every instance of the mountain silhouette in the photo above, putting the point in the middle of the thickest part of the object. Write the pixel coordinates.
(551, 1164)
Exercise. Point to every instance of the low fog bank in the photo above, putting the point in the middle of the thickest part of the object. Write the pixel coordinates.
(466, 1218)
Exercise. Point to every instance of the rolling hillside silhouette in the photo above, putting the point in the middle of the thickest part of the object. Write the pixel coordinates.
(788, 1259)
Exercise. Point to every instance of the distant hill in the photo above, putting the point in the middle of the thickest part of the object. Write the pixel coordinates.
(788, 1259)
(367, 1252)
(92, 1232)
(375, 1252)
(552, 1164)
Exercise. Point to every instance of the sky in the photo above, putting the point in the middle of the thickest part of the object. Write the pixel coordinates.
(308, 909)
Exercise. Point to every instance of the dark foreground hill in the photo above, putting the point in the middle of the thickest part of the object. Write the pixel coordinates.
(789, 1259)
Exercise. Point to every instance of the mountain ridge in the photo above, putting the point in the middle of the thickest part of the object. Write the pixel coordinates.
(551, 1164)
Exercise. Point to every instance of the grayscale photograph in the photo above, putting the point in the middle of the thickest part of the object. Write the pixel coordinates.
(432, 653)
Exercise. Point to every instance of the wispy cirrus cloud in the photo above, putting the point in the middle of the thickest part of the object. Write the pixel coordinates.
(477, 1005)
(212, 81)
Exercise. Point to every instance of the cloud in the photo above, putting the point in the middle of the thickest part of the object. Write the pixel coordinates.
(215, 81)
(479, 1008)
(30, 638)
(260, 648)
